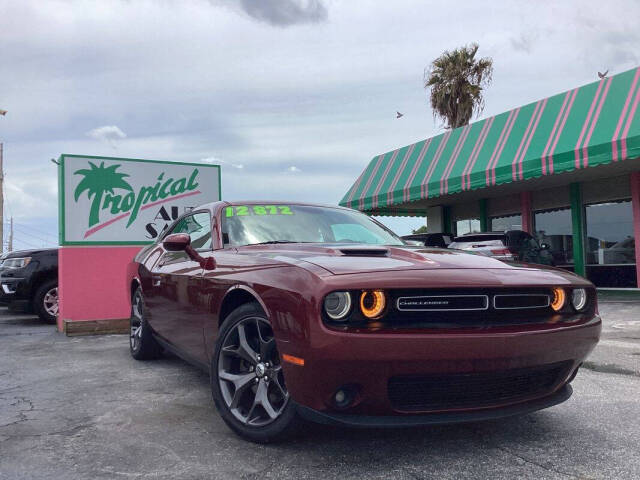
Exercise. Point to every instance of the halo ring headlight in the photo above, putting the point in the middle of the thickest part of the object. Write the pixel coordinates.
(337, 305)
(558, 299)
(579, 299)
(372, 303)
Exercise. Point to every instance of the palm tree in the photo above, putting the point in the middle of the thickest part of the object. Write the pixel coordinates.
(97, 181)
(456, 80)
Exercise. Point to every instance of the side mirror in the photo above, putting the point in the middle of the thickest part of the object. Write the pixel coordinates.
(544, 246)
(181, 242)
(176, 242)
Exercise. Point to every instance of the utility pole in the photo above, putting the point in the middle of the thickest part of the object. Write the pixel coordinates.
(2, 113)
(11, 236)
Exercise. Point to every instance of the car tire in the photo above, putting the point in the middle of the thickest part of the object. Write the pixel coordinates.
(45, 301)
(246, 414)
(142, 345)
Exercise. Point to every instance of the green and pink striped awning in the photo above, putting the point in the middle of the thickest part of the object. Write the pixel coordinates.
(590, 125)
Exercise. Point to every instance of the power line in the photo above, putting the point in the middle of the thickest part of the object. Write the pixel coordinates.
(41, 232)
(31, 235)
(33, 229)
(29, 244)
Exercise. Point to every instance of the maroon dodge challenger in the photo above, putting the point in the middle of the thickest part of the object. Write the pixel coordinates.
(314, 312)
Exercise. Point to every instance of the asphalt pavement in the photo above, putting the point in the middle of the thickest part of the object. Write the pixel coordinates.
(81, 408)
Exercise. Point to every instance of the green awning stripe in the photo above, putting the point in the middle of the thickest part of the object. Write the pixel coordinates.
(465, 183)
(399, 172)
(558, 125)
(497, 153)
(595, 124)
(444, 180)
(358, 186)
(424, 185)
(516, 164)
(365, 191)
(581, 148)
(352, 191)
(390, 163)
(395, 165)
(626, 119)
(414, 171)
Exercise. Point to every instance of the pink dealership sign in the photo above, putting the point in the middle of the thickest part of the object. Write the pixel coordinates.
(109, 208)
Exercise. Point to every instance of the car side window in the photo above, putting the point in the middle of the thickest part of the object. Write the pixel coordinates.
(198, 226)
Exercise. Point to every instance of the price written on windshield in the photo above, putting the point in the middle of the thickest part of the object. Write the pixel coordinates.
(243, 210)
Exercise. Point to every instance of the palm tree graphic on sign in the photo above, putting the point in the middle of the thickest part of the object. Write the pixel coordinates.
(97, 181)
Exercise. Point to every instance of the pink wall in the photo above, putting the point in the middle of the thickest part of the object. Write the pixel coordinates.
(93, 283)
(525, 206)
(635, 202)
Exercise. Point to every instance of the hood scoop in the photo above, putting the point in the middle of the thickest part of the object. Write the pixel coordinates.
(361, 251)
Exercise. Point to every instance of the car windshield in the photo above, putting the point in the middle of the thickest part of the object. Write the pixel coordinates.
(255, 224)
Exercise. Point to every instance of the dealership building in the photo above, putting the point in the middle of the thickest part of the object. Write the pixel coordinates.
(565, 168)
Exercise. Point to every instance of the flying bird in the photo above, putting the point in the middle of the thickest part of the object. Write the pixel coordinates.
(398, 114)
(602, 75)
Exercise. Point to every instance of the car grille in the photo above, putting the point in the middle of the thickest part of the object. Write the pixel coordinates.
(473, 390)
(520, 301)
(475, 308)
(441, 303)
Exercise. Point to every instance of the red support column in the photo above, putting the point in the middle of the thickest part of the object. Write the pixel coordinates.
(525, 209)
(635, 202)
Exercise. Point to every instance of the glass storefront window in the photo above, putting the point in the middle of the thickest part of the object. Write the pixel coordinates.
(610, 234)
(553, 227)
(509, 222)
(610, 247)
(471, 225)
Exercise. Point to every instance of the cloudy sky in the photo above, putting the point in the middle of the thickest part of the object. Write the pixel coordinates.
(291, 97)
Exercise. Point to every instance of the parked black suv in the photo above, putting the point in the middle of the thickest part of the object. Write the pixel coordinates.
(29, 282)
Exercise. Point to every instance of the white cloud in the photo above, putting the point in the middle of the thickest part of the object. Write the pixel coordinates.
(107, 133)
(219, 161)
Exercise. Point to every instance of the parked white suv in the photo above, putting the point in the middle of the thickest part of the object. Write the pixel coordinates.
(512, 245)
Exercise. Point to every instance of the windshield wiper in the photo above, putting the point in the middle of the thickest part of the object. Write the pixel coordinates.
(271, 242)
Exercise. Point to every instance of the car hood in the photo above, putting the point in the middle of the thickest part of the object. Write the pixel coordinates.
(354, 258)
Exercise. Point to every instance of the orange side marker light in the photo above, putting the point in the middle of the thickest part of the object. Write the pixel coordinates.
(294, 360)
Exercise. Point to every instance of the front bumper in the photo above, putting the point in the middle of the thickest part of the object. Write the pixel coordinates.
(392, 421)
(12, 292)
(365, 362)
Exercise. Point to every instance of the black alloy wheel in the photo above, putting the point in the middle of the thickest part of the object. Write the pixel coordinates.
(142, 345)
(45, 301)
(247, 380)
